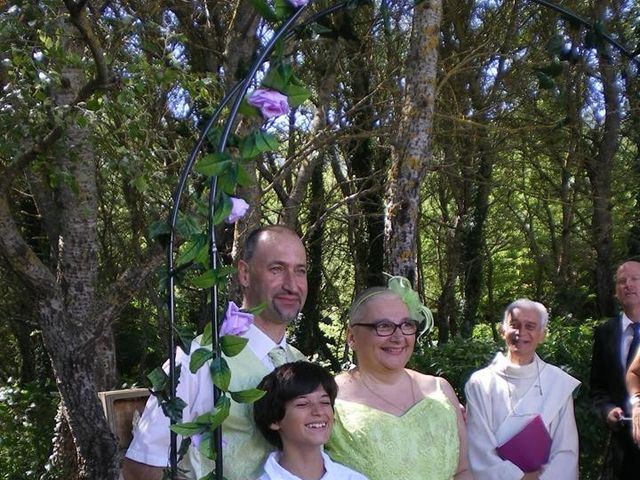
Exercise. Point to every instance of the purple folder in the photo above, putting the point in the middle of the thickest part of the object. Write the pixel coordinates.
(529, 448)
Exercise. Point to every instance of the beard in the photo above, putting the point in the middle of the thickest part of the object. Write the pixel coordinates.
(286, 315)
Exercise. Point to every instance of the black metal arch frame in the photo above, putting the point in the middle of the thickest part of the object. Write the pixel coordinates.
(286, 31)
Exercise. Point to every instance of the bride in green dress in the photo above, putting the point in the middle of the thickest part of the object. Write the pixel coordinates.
(392, 422)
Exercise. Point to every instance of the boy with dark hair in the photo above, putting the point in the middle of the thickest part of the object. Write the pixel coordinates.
(296, 416)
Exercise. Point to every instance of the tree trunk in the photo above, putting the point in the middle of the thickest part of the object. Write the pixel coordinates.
(600, 175)
(412, 153)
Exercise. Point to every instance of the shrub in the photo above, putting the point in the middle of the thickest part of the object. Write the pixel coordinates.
(26, 421)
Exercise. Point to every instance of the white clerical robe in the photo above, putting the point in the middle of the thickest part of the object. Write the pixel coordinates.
(502, 397)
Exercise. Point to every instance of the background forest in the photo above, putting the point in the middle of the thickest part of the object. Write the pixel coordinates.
(487, 150)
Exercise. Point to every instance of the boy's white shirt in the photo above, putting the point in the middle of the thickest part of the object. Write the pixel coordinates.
(333, 471)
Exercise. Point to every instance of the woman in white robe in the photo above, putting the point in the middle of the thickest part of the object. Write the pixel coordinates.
(513, 390)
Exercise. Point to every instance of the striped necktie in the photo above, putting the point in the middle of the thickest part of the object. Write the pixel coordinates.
(278, 356)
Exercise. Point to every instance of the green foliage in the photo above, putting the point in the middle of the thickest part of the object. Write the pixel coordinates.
(26, 423)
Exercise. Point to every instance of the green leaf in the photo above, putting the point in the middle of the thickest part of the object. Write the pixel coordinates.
(244, 180)
(191, 249)
(140, 184)
(188, 226)
(265, 11)
(185, 337)
(198, 358)
(257, 143)
(227, 183)
(247, 396)
(283, 8)
(94, 104)
(214, 164)
(248, 148)
(220, 373)
(232, 345)
(213, 137)
(297, 94)
(173, 409)
(221, 412)
(159, 230)
(207, 446)
(206, 280)
(207, 337)
(278, 77)
(159, 379)
(202, 257)
(222, 209)
(248, 110)
(188, 429)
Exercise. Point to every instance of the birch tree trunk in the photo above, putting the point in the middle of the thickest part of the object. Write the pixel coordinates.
(412, 152)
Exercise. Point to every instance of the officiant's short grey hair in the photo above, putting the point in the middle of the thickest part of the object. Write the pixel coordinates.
(525, 303)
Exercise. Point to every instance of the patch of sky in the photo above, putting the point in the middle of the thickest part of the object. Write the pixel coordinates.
(480, 10)
(593, 110)
(179, 102)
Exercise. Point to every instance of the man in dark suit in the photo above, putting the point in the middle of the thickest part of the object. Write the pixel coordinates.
(614, 347)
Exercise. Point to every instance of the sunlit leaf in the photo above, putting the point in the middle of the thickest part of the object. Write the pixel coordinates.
(220, 373)
(187, 429)
(206, 280)
(185, 337)
(198, 358)
(222, 210)
(187, 226)
(232, 345)
(160, 230)
(173, 408)
(278, 77)
(158, 378)
(207, 446)
(207, 337)
(190, 249)
(283, 8)
(214, 164)
(247, 396)
(243, 179)
(221, 411)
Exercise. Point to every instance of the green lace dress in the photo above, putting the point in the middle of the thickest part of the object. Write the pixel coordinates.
(422, 444)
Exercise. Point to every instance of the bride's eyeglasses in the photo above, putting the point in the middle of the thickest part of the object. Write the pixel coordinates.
(386, 328)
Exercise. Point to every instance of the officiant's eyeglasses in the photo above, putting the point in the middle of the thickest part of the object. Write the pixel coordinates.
(385, 328)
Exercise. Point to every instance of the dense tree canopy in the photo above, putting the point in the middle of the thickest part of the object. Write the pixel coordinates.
(488, 150)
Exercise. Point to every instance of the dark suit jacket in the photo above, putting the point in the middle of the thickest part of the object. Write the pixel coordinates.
(608, 390)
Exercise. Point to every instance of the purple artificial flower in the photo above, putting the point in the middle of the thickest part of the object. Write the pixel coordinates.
(235, 322)
(238, 208)
(298, 3)
(270, 102)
